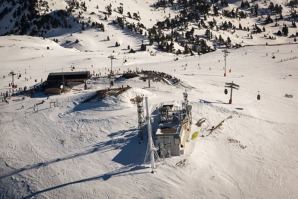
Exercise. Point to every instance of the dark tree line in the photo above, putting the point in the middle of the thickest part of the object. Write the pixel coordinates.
(34, 17)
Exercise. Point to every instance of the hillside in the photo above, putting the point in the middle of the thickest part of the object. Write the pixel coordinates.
(79, 145)
(186, 27)
(87, 150)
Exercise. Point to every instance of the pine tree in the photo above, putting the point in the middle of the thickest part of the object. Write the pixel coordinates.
(143, 47)
(285, 30)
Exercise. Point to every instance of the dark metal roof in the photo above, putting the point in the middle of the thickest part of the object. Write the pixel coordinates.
(79, 76)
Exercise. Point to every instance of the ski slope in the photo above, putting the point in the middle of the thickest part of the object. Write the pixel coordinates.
(91, 150)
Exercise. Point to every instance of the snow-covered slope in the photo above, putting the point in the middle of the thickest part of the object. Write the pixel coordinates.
(191, 27)
(91, 150)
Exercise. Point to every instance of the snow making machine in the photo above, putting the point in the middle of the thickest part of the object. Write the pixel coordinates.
(174, 128)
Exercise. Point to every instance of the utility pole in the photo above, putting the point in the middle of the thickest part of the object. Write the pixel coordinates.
(185, 103)
(149, 76)
(12, 80)
(63, 83)
(232, 86)
(150, 141)
(111, 57)
(12, 76)
(111, 72)
(225, 56)
(141, 118)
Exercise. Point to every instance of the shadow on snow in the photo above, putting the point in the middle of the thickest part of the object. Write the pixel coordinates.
(125, 170)
(131, 156)
(130, 152)
(209, 102)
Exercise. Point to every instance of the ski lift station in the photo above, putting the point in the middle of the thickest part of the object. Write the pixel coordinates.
(174, 128)
(62, 81)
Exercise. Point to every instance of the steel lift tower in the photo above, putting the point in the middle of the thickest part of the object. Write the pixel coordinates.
(12, 81)
(141, 118)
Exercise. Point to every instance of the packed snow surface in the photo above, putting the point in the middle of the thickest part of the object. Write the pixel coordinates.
(91, 150)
